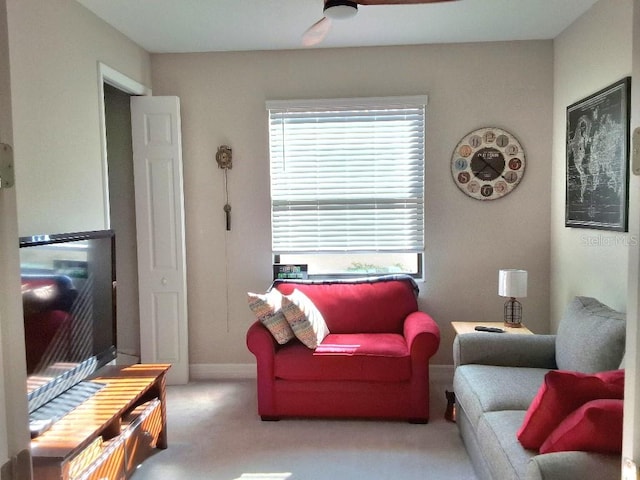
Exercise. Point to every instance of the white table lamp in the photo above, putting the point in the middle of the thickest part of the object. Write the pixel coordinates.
(512, 283)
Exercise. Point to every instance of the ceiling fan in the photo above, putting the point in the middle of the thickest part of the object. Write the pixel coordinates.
(341, 9)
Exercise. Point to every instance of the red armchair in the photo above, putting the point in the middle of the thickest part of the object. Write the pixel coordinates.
(374, 363)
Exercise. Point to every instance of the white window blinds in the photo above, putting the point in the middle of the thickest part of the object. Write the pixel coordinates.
(347, 175)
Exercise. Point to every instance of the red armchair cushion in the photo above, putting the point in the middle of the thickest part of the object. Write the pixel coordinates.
(363, 307)
(561, 393)
(50, 335)
(380, 357)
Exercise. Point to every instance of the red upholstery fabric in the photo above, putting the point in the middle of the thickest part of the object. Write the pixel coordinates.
(594, 427)
(50, 336)
(561, 393)
(381, 357)
(373, 364)
(365, 307)
(47, 300)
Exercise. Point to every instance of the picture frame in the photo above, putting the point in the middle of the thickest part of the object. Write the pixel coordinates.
(597, 159)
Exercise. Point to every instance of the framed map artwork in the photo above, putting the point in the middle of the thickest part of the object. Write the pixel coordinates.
(597, 159)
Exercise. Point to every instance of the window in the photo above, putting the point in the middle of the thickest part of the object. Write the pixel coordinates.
(347, 184)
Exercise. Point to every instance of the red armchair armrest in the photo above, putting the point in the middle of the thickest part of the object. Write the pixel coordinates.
(422, 335)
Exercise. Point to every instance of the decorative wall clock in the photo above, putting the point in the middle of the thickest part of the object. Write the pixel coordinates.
(488, 163)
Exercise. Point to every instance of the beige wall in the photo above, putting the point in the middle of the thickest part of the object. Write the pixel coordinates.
(509, 85)
(55, 49)
(589, 55)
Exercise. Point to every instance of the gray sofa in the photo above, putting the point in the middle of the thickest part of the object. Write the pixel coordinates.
(497, 376)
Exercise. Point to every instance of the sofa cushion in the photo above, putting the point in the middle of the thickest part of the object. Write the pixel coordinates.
(591, 337)
(363, 357)
(560, 394)
(486, 388)
(497, 434)
(573, 465)
(594, 427)
(305, 320)
(375, 305)
(267, 309)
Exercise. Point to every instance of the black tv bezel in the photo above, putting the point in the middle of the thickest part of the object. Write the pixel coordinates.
(110, 353)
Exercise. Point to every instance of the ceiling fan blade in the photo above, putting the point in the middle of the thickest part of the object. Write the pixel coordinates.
(316, 32)
(397, 2)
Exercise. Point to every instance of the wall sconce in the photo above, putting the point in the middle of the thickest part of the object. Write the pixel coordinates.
(224, 160)
(512, 284)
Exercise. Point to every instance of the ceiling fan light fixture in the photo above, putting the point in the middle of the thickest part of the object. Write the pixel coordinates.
(340, 9)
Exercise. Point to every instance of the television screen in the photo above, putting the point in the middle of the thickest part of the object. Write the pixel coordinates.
(68, 296)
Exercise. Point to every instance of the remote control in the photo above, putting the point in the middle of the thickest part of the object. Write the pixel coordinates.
(489, 329)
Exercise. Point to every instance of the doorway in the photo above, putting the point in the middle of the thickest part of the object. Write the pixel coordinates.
(144, 205)
(122, 219)
(115, 91)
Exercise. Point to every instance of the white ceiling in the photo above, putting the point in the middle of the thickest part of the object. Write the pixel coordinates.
(162, 26)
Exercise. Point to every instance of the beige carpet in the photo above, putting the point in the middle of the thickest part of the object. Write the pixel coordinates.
(215, 433)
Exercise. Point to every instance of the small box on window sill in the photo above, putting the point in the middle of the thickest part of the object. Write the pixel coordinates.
(289, 272)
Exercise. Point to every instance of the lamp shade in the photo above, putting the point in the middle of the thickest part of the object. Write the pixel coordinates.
(512, 283)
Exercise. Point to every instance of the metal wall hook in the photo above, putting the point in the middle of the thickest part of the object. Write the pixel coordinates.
(7, 173)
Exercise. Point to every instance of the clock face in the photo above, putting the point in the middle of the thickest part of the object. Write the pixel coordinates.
(488, 163)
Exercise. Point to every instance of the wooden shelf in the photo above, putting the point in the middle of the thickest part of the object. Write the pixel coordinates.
(96, 433)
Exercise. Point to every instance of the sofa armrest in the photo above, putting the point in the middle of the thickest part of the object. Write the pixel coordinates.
(582, 465)
(422, 334)
(506, 350)
(260, 342)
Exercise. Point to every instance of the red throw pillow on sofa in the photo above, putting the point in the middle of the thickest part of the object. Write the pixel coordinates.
(562, 393)
(594, 427)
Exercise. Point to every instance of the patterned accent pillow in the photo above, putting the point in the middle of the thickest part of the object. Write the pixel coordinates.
(267, 309)
(304, 318)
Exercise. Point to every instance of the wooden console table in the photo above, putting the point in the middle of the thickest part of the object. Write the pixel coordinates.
(109, 434)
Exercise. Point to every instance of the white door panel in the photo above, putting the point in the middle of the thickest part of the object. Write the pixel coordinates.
(157, 156)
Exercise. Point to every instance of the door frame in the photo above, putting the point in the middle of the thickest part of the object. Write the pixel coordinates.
(112, 77)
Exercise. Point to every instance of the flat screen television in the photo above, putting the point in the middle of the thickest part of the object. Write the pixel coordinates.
(68, 296)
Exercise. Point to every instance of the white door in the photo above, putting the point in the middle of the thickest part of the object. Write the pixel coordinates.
(157, 170)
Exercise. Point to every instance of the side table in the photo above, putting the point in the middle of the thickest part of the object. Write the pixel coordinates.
(470, 327)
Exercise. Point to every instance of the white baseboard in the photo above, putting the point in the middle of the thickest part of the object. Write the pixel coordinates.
(217, 371)
(126, 359)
